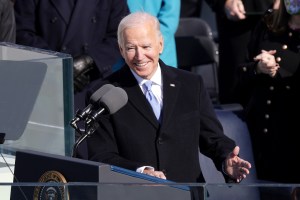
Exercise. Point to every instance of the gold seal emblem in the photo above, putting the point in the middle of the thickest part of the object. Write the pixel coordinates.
(51, 192)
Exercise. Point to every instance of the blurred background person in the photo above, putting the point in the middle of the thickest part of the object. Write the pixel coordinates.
(190, 8)
(7, 21)
(268, 89)
(235, 19)
(87, 30)
(168, 13)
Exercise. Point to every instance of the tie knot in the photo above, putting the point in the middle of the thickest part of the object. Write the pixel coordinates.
(148, 85)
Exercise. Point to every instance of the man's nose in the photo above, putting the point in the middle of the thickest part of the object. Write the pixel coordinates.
(139, 53)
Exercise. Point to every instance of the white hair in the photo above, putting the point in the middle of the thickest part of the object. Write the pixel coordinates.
(134, 20)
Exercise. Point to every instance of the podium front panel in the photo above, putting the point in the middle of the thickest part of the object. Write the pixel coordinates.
(114, 182)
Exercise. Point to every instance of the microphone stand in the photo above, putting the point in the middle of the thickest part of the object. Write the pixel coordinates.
(77, 143)
(91, 126)
(2, 136)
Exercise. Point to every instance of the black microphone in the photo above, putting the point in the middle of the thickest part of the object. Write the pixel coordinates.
(96, 96)
(82, 114)
(109, 103)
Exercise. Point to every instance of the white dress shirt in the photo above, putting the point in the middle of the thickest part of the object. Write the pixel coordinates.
(157, 91)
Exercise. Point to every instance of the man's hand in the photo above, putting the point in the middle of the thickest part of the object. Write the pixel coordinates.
(235, 167)
(151, 172)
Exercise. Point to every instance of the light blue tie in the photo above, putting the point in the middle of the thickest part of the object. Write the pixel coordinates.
(152, 99)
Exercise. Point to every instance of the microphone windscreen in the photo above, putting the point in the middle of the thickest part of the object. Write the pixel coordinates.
(100, 92)
(114, 99)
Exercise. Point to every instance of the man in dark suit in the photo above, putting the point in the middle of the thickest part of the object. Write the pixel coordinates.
(166, 147)
(87, 30)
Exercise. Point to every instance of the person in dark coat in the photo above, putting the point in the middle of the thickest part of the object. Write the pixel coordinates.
(268, 89)
(87, 30)
(235, 21)
(168, 147)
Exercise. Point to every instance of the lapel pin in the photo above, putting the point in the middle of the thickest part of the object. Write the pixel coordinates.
(172, 85)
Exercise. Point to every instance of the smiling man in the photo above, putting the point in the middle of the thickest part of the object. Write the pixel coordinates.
(165, 147)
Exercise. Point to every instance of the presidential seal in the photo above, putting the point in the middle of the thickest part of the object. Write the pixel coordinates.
(51, 192)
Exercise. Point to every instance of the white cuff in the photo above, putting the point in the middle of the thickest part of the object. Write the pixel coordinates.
(141, 169)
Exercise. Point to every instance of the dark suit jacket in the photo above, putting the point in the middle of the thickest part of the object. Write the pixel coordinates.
(90, 28)
(132, 137)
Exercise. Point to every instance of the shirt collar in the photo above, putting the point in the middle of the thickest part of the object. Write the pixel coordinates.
(156, 78)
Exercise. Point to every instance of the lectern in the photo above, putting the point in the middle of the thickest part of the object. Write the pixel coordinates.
(114, 182)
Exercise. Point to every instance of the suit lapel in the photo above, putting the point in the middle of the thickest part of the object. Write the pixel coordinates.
(171, 89)
(136, 97)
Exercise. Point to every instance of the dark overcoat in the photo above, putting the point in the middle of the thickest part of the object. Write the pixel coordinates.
(132, 137)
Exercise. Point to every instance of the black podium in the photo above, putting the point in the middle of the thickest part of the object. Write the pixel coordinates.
(114, 182)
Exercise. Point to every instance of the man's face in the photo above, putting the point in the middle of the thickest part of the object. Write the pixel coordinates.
(292, 6)
(141, 48)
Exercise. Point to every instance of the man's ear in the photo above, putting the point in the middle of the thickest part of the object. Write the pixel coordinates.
(161, 42)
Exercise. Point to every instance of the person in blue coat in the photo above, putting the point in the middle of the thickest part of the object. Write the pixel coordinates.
(168, 13)
(87, 30)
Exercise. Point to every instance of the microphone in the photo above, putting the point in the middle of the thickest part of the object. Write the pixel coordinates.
(109, 103)
(112, 101)
(82, 114)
